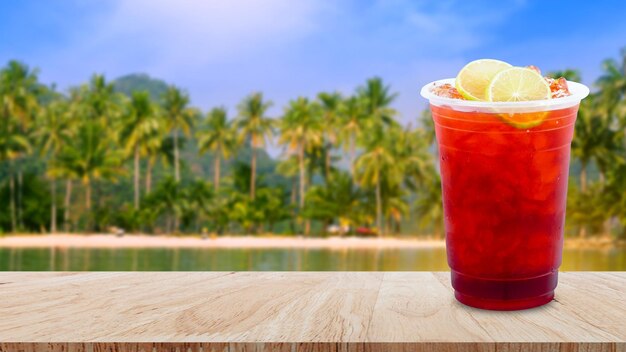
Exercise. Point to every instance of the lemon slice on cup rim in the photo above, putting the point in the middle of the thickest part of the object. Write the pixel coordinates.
(474, 78)
(509, 112)
(518, 84)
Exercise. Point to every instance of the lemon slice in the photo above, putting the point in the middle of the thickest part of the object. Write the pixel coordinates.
(473, 79)
(524, 120)
(517, 84)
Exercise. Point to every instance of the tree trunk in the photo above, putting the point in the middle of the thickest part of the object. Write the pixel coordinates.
(168, 223)
(20, 198)
(136, 181)
(53, 206)
(294, 191)
(327, 165)
(216, 175)
(379, 209)
(302, 176)
(294, 194)
(149, 175)
(253, 174)
(176, 158)
(88, 195)
(68, 199)
(352, 157)
(583, 177)
(89, 223)
(12, 202)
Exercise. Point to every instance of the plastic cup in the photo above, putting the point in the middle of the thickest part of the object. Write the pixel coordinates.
(504, 194)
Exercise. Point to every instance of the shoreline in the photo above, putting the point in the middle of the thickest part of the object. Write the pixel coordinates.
(247, 242)
(225, 242)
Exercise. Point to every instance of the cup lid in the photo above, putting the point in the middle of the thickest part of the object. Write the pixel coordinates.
(578, 92)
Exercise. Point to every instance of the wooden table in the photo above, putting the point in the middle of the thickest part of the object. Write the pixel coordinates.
(296, 311)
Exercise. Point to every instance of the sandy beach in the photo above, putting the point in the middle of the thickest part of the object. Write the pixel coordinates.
(249, 242)
(144, 241)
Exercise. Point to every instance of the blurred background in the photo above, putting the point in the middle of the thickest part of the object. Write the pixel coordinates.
(275, 135)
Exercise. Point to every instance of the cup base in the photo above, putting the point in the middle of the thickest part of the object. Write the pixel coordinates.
(504, 294)
(498, 304)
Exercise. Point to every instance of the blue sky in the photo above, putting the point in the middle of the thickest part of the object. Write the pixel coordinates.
(222, 50)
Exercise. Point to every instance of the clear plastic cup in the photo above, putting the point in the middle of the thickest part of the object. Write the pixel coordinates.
(504, 169)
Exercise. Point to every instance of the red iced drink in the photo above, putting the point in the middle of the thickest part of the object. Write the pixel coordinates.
(504, 170)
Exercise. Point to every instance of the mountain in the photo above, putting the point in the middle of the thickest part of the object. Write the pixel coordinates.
(138, 82)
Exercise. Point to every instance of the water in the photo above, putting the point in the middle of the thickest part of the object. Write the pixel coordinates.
(79, 259)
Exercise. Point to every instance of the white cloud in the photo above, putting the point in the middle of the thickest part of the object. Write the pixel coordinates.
(222, 50)
(171, 38)
(200, 32)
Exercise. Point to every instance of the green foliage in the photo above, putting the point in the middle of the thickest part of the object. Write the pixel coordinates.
(346, 160)
(36, 204)
(252, 123)
(337, 202)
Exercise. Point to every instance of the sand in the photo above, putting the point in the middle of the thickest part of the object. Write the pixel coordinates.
(249, 242)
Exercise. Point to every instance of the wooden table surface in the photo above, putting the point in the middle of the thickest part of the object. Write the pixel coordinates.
(296, 311)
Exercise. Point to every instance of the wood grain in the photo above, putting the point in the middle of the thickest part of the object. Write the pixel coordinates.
(296, 311)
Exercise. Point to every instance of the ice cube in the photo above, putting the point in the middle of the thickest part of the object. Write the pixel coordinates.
(558, 87)
(447, 91)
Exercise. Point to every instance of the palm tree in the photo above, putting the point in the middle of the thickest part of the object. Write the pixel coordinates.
(140, 124)
(378, 164)
(331, 104)
(65, 168)
(336, 201)
(594, 140)
(219, 137)
(301, 131)
(168, 200)
(99, 100)
(18, 93)
(353, 121)
(53, 134)
(180, 118)
(12, 145)
(255, 127)
(612, 83)
(377, 100)
(412, 155)
(88, 158)
(289, 168)
(429, 205)
(154, 147)
(198, 197)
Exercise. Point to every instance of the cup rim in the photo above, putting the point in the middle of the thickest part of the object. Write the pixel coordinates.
(579, 92)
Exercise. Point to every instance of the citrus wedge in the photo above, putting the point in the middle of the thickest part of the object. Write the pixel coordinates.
(524, 120)
(473, 79)
(518, 84)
